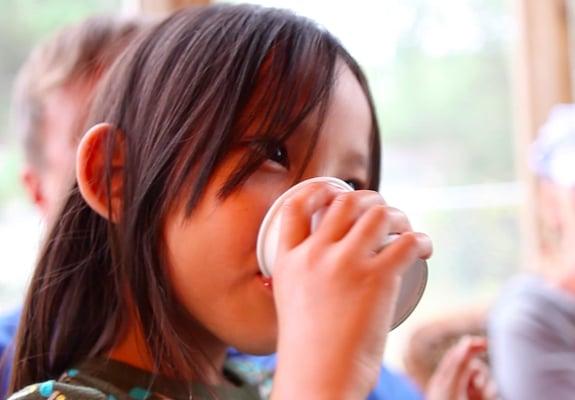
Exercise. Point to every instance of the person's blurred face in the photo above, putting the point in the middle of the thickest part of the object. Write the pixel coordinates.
(558, 204)
(64, 111)
(566, 208)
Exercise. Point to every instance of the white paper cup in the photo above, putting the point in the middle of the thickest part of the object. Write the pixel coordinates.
(413, 281)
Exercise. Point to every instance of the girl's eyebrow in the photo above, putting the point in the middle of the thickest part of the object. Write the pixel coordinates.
(356, 160)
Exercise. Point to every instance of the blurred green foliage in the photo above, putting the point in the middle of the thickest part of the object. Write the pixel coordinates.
(458, 103)
(9, 176)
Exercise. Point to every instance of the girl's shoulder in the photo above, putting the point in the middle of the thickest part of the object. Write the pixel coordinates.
(54, 390)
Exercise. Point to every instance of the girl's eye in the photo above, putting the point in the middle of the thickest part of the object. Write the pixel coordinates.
(276, 152)
(354, 183)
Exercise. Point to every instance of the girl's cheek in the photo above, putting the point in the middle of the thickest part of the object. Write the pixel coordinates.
(267, 186)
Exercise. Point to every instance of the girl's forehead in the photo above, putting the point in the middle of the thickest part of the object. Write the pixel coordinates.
(348, 121)
(343, 116)
(343, 147)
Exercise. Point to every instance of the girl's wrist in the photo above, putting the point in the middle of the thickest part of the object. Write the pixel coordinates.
(287, 387)
(303, 376)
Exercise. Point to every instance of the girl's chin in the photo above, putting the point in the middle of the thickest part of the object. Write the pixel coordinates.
(260, 341)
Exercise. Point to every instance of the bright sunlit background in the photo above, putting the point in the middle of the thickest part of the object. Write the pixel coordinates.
(440, 74)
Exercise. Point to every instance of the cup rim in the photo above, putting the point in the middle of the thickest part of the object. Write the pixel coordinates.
(272, 211)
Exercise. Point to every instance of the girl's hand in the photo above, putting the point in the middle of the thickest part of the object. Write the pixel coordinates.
(335, 292)
(461, 375)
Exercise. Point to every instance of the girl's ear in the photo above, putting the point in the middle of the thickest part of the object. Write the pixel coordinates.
(90, 170)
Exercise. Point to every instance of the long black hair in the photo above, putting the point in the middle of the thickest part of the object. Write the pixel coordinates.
(181, 98)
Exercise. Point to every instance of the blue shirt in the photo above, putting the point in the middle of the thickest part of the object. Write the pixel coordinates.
(392, 385)
(8, 326)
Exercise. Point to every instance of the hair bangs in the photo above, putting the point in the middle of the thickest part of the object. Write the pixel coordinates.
(278, 72)
(294, 84)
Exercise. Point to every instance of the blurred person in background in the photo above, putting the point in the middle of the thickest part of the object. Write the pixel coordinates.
(447, 355)
(532, 327)
(52, 95)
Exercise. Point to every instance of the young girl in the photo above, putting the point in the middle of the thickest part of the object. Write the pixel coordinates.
(150, 273)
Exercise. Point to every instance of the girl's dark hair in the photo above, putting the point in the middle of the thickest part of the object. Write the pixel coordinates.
(181, 98)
